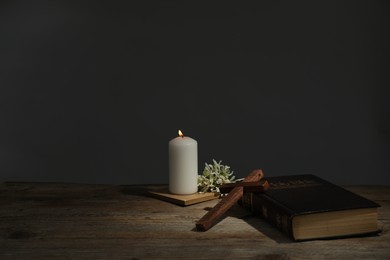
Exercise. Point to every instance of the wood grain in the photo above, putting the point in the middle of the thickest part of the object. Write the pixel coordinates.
(79, 221)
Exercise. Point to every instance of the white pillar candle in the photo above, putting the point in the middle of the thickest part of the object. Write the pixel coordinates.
(183, 165)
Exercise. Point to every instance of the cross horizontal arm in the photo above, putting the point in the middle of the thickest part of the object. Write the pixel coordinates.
(259, 186)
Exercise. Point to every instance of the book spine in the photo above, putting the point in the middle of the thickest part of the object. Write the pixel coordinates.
(269, 210)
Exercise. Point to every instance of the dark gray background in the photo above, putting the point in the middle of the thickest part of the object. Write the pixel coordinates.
(93, 92)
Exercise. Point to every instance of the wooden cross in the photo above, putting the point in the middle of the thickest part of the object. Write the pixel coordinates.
(252, 183)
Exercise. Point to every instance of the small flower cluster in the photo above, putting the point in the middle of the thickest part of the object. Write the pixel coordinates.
(214, 175)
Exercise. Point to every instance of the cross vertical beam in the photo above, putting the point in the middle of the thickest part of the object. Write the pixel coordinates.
(210, 218)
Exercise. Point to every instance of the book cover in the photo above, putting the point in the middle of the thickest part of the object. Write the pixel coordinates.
(308, 207)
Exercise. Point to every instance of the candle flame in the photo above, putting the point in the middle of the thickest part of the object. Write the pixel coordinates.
(180, 133)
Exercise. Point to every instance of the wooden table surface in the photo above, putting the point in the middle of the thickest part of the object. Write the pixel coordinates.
(79, 221)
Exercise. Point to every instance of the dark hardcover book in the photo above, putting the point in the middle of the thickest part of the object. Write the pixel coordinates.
(307, 207)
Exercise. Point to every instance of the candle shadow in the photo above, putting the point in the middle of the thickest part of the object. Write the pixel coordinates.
(132, 190)
(139, 190)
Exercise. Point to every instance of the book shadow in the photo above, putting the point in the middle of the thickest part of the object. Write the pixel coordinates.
(267, 229)
(254, 221)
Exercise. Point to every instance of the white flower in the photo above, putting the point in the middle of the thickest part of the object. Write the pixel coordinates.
(214, 175)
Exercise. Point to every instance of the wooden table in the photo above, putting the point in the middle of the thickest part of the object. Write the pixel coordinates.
(72, 221)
